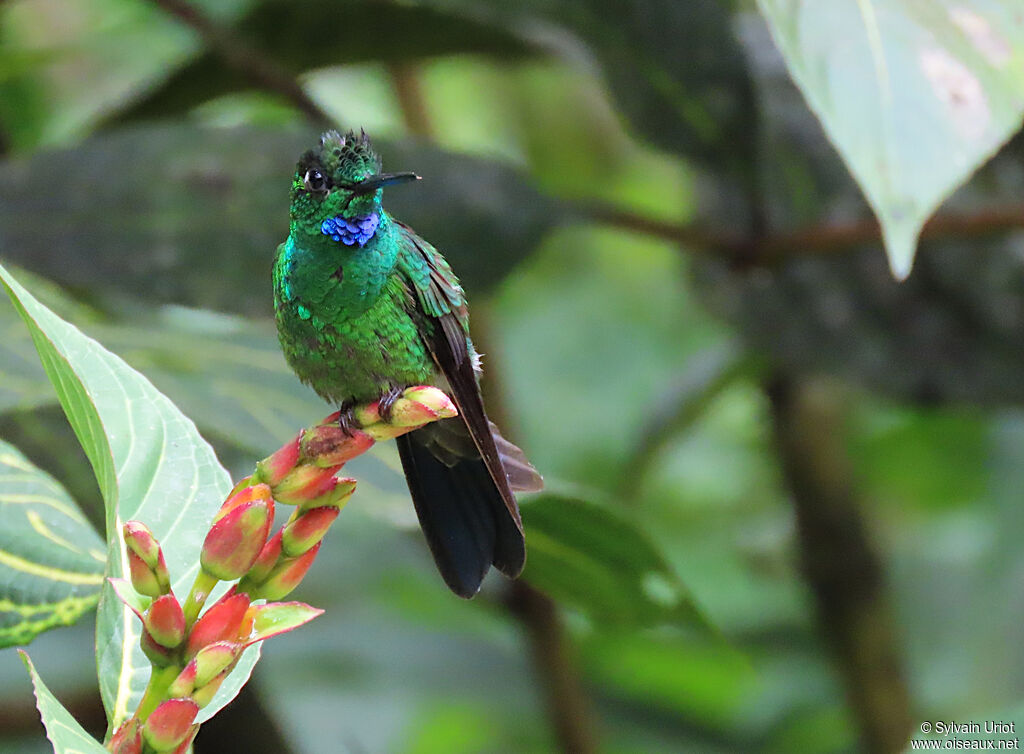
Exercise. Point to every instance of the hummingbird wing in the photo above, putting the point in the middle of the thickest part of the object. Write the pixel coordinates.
(460, 471)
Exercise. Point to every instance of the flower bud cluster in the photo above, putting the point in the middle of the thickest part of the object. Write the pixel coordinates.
(193, 651)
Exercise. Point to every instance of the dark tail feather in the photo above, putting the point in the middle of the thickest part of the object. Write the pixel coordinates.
(463, 516)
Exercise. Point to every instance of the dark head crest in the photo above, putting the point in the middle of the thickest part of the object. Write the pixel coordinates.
(346, 159)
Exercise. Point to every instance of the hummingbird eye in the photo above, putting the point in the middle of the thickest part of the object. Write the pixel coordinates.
(315, 181)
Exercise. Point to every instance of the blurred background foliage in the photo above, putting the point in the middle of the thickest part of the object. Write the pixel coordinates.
(689, 324)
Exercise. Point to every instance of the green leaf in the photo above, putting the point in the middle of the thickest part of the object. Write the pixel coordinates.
(914, 96)
(598, 561)
(151, 464)
(51, 559)
(64, 732)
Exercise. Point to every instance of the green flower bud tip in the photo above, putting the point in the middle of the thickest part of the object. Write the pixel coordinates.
(221, 622)
(238, 533)
(170, 724)
(214, 659)
(127, 739)
(275, 467)
(337, 498)
(307, 530)
(305, 482)
(286, 575)
(420, 405)
(327, 445)
(165, 621)
(184, 683)
(141, 541)
(266, 560)
(204, 695)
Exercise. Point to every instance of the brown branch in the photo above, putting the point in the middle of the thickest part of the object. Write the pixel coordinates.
(566, 702)
(566, 705)
(816, 239)
(412, 102)
(838, 561)
(261, 71)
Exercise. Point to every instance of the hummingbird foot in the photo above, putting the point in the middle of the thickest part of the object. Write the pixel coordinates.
(347, 418)
(387, 402)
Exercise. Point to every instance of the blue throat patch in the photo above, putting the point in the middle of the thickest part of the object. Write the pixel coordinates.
(355, 231)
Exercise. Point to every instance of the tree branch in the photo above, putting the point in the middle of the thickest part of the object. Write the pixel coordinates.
(838, 560)
(567, 706)
(810, 241)
(412, 102)
(262, 72)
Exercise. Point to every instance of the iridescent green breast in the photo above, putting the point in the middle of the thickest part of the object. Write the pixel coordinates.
(346, 320)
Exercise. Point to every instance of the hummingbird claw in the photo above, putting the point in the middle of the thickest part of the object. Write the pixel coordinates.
(387, 402)
(347, 418)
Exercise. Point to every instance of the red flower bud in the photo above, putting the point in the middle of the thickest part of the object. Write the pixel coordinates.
(336, 498)
(305, 482)
(307, 530)
(242, 496)
(127, 739)
(285, 576)
(141, 541)
(165, 621)
(327, 445)
(219, 623)
(274, 468)
(266, 560)
(238, 533)
(144, 580)
(159, 655)
(145, 561)
(170, 724)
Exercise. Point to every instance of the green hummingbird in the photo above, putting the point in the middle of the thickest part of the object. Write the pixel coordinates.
(366, 308)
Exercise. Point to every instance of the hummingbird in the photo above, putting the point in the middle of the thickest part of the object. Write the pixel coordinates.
(366, 308)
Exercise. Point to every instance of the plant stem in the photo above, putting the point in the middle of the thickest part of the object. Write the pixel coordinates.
(156, 690)
(567, 706)
(197, 597)
(838, 560)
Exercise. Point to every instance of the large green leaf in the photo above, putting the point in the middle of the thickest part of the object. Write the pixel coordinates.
(598, 561)
(914, 95)
(64, 732)
(51, 559)
(151, 465)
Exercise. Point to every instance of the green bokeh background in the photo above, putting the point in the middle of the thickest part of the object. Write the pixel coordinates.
(143, 189)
